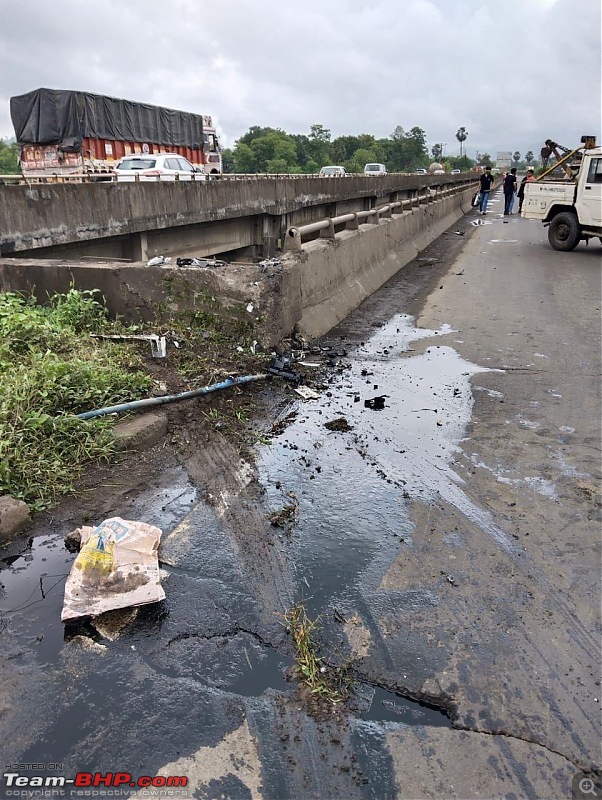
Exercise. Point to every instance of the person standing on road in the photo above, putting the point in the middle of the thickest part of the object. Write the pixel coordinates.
(521, 189)
(509, 190)
(486, 184)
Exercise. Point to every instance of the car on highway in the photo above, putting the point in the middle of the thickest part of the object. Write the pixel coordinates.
(375, 169)
(438, 172)
(157, 167)
(421, 172)
(456, 172)
(332, 172)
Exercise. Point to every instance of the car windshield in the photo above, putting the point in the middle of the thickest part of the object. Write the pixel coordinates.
(330, 170)
(137, 163)
(373, 167)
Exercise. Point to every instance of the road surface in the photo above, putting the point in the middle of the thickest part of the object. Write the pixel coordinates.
(449, 543)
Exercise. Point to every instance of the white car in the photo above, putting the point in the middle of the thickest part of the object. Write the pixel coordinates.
(157, 167)
(455, 172)
(375, 169)
(421, 172)
(332, 172)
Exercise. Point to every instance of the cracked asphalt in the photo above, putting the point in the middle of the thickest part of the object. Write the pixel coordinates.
(449, 543)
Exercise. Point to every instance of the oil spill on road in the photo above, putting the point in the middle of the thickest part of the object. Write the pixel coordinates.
(354, 485)
(386, 706)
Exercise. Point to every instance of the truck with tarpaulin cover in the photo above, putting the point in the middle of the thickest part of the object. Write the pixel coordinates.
(63, 132)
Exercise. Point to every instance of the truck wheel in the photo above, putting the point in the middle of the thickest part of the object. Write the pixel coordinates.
(564, 232)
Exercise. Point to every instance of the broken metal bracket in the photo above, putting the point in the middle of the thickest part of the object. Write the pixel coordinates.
(281, 368)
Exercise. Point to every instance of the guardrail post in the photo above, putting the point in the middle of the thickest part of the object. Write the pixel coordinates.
(372, 219)
(292, 239)
(352, 224)
(328, 233)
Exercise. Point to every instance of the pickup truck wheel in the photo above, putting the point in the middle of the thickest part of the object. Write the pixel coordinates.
(564, 232)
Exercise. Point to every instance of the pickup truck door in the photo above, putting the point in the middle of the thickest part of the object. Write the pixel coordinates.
(590, 202)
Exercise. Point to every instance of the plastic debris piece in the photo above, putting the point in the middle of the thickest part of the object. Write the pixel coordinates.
(306, 393)
(117, 567)
(250, 307)
(158, 261)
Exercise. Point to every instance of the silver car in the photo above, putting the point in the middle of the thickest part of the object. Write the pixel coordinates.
(332, 172)
(157, 167)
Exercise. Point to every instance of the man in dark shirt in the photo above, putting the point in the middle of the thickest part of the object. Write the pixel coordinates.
(486, 184)
(509, 190)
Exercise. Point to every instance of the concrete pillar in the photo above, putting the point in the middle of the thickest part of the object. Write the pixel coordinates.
(269, 235)
(352, 224)
(139, 246)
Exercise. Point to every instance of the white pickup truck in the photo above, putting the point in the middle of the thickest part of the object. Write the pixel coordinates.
(572, 207)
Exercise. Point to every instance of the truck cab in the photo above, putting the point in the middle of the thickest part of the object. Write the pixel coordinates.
(571, 207)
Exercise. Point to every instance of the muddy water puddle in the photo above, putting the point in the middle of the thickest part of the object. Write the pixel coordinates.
(354, 484)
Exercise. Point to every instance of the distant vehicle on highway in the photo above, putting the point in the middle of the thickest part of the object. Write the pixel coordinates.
(332, 172)
(456, 172)
(421, 172)
(438, 172)
(164, 167)
(375, 169)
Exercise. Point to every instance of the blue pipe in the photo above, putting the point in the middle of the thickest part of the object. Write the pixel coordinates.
(171, 398)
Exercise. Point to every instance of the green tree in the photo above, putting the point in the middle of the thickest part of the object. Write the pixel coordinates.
(516, 158)
(484, 160)
(437, 151)
(461, 136)
(319, 144)
(360, 158)
(228, 162)
(9, 157)
(244, 160)
(529, 156)
(407, 150)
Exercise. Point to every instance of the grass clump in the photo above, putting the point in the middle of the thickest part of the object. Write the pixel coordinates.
(332, 684)
(50, 370)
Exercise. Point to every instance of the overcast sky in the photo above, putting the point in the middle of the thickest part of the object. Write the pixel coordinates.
(513, 72)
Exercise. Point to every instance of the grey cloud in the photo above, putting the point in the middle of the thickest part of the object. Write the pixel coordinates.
(513, 72)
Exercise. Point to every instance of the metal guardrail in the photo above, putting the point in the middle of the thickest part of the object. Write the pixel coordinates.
(294, 236)
(108, 177)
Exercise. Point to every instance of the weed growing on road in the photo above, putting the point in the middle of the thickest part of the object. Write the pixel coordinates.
(329, 683)
(50, 370)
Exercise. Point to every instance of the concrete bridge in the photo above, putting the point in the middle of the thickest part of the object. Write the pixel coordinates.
(346, 236)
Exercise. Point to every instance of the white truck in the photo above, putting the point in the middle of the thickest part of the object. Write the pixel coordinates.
(571, 207)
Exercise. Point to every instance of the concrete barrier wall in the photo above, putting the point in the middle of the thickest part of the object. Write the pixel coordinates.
(59, 214)
(336, 276)
(311, 290)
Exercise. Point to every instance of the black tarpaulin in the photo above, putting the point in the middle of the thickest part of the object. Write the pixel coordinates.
(56, 116)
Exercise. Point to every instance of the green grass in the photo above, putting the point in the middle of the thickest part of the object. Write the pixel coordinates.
(332, 684)
(50, 370)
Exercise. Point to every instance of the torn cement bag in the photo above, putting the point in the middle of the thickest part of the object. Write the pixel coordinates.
(116, 567)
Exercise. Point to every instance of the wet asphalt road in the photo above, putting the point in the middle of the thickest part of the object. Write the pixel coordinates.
(449, 543)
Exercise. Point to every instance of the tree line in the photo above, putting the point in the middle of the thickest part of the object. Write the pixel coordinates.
(272, 150)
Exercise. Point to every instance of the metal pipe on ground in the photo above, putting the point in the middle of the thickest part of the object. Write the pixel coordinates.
(172, 398)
